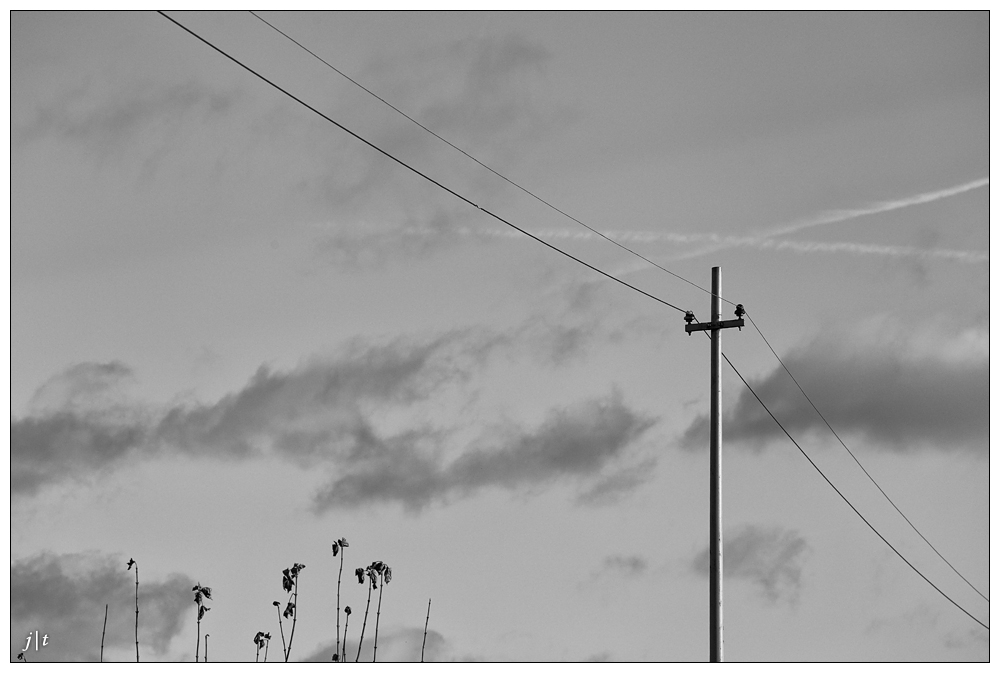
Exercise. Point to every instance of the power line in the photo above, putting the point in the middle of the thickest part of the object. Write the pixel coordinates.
(491, 170)
(576, 259)
(867, 474)
(844, 498)
(627, 249)
(414, 170)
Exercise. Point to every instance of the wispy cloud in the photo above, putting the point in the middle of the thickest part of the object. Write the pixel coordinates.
(612, 487)
(770, 558)
(102, 122)
(482, 95)
(88, 385)
(890, 394)
(622, 566)
(64, 596)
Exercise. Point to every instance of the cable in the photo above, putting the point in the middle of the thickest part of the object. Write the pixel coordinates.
(867, 474)
(491, 170)
(414, 170)
(844, 498)
(574, 258)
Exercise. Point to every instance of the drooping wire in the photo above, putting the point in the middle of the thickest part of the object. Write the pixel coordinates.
(867, 474)
(491, 170)
(549, 245)
(412, 169)
(631, 251)
(844, 498)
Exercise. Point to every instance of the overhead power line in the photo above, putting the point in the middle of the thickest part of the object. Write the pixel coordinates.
(469, 156)
(630, 251)
(549, 245)
(411, 168)
(844, 498)
(867, 474)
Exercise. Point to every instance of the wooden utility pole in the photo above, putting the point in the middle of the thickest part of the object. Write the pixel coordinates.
(715, 327)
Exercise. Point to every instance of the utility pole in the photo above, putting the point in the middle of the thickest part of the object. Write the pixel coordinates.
(715, 327)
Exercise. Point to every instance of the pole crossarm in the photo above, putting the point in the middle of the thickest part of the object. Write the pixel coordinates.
(706, 326)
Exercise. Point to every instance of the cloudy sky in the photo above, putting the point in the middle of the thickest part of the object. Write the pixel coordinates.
(238, 333)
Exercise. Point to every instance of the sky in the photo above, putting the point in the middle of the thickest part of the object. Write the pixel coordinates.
(239, 334)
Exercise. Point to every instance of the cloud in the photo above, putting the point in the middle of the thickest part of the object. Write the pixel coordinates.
(103, 122)
(51, 448)
(357, 414)
(319, 407)
(483, 95)
(612, 487)
(64, 596)
(770, 558)
(575, 442)
(86, 385)
(625, 566)
(896, 394)
(471, 89)
(920, 635)
(299, 414)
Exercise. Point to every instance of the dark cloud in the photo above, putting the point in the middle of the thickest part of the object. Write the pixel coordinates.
(326, 410)
(67, 444)
(64, 596)
(770, 558)
(299, 414)
(575, 442)
(884, 395)
(318, 406)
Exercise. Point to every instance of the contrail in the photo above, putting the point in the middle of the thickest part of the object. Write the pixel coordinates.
(840, 215)
(832, 216)
(967, 256)
(766, 240)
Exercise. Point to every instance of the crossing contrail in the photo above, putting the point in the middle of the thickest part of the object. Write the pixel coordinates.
(769, 239)
(833, 216)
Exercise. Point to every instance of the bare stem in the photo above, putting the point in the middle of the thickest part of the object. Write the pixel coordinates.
(137, 613)
(347, 620)
(377, 613)
(295, 616)
(365, 622)
(338, 602)
(284, 650)
(206, 648)
(197, 638)
(105, 630)
(426, 621)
